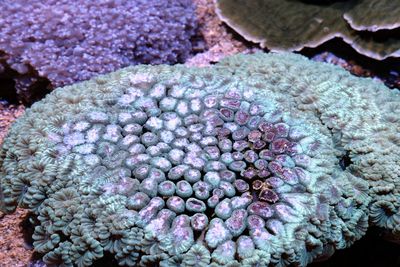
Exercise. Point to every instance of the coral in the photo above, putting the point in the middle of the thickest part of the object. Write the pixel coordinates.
(292, 25)
(60, 42)
(374, 15)
(261, 159)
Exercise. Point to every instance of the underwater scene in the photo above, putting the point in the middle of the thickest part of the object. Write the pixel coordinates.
(194, 133)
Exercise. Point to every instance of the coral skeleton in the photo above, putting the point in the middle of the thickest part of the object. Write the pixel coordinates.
(260, 160)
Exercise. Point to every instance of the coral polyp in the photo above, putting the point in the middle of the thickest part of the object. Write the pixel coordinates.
(186, 166)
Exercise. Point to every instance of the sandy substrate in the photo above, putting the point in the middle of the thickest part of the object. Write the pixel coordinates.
(14, 252)
(220, 42)
(8, 114)
(13, 249)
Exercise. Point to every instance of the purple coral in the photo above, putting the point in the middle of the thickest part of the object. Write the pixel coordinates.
(69, 41)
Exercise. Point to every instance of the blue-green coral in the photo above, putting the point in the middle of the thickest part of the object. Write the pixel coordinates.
(261, 160)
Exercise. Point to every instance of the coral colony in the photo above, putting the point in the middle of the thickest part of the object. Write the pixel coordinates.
(371, 27)
(68, 41)
(261, 160)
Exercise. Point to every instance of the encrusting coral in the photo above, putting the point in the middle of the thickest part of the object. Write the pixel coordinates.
(260, 160)
(286, 25)
(68, 41)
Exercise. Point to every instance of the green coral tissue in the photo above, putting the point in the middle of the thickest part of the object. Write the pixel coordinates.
(260, 160)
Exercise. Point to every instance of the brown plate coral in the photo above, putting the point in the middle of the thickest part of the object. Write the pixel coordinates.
(259, 160)
(371, 27)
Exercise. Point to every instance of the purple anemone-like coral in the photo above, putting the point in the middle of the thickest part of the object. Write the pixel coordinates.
(243, 163)
(68, 41)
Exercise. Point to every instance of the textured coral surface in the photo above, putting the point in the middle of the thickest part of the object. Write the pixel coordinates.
(263, 159)
(373, 15)
(285, 25)
(65, 42)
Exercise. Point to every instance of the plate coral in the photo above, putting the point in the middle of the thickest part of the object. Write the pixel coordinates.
(259, 160)
(371, 27)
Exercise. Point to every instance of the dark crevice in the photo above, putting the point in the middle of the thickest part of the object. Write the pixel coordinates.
(370, 251)
(7, 91)
(25, 88)
(380, 35)
(198, 45)
(36, 261)
(28, 229)
(345, 161)
(107, 260)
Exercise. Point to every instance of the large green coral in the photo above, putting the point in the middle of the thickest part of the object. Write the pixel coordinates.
(262, 159)
(290, 25)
